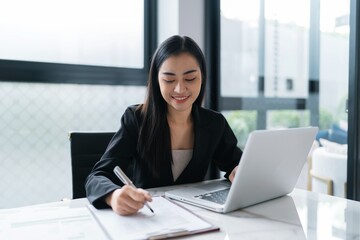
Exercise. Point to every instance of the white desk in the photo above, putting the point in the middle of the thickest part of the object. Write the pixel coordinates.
(300, 215)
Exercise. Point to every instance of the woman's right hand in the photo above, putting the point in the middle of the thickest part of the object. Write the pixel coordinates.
(127, 200)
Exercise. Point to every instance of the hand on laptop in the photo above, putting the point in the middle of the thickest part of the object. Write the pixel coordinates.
(127, 200)
(232, 174)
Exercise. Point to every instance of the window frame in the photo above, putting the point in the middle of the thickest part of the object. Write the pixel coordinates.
(353, 164)
(46, 72)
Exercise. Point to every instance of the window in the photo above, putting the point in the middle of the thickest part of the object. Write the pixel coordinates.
(37, 116)
(239, 48)
(100, 42)
(287, 61)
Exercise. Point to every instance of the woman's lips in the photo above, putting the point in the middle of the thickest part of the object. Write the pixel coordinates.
(180, 98)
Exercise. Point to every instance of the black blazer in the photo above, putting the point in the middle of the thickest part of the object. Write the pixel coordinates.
(214, 141)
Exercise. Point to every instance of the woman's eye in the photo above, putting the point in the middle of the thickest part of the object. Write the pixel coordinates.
(168, 80)
(190, 79)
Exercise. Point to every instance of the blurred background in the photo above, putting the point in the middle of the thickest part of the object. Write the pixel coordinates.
(76, 65)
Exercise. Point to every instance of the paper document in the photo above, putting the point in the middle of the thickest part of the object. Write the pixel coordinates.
(169, 220)
(44, 223)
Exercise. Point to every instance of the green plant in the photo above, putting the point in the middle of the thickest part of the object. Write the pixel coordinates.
(242, 123)
(325, 119)
(288, 119)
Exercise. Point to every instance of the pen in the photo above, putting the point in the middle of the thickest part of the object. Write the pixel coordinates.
(124, 179)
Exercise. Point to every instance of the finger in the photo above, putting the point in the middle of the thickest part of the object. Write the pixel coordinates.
(131, 198)
(122, 203)
(232, 176)
(132, 206)
(147, 195)
(125, 210)
(139, 195)
(125, 205)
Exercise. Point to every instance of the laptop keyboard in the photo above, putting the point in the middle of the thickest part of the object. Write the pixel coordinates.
(217, 196)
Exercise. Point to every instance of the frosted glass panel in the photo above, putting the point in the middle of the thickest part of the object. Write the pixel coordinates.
(35, 119)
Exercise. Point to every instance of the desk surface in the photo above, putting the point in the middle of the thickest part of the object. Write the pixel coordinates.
(299, 215)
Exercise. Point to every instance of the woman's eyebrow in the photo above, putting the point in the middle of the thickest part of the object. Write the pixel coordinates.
(190, 71)
(173, 74)
(168, 73)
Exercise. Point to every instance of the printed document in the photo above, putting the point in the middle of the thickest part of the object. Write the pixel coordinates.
(168, 220)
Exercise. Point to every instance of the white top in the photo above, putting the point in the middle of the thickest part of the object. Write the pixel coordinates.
(181, 158)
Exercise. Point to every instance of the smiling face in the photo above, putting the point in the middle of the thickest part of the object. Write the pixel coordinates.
(180, 82)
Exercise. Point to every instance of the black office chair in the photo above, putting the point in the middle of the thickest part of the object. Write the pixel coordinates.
(86, 149)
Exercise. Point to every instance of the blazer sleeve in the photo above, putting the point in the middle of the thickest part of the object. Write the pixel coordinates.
(120, 152)
(227, 154)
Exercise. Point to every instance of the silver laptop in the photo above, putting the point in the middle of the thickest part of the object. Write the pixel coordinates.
(270, 165)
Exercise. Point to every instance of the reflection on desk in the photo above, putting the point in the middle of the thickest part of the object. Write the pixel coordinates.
(300, 215)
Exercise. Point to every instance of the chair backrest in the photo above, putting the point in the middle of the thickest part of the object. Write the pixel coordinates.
(86, 149)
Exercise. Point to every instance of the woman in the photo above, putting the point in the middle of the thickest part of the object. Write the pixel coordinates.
(169, 139)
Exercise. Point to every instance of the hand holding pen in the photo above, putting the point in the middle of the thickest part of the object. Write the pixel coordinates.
(128, 199)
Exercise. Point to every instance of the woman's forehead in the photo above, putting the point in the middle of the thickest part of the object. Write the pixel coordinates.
(181, 63)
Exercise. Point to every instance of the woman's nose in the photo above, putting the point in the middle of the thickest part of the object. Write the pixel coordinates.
(180, 87)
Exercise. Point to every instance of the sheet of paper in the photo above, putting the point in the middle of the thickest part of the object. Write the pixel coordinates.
(168, 217)
(43, 223)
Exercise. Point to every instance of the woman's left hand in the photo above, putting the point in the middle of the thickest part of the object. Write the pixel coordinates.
(232, 174)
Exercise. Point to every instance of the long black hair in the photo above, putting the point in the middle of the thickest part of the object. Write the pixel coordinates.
(154, 144)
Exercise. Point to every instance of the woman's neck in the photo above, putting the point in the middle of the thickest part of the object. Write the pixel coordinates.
(179, 117)
(181, 130)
